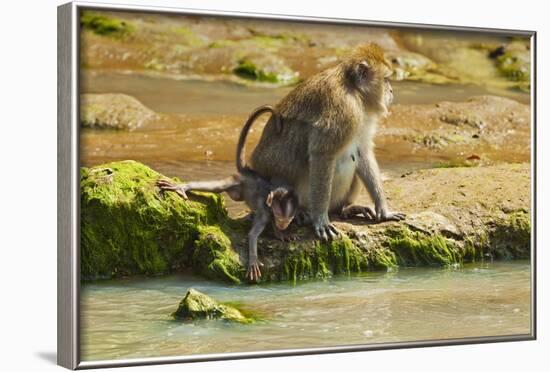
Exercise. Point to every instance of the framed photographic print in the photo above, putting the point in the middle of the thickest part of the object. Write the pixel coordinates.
(236, 185)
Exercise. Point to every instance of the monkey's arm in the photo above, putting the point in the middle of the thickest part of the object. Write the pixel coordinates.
(369, 173)
(261, 218)
(321, 173)
(231, 185)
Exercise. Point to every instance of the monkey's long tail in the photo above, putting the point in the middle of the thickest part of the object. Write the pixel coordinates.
(241, 166)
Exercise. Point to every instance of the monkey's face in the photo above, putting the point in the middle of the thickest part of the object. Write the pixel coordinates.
(283, 204)
(372, 80)
(282, 222)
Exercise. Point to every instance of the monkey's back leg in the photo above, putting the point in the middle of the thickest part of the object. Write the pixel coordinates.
(231, 185)
(348, 209)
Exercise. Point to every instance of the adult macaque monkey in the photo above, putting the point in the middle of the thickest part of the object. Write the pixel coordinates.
(325, 148)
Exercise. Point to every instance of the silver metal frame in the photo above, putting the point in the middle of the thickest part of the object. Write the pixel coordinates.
(68, 196)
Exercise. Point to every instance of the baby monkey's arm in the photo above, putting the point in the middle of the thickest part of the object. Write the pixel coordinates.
(261, 218)
(231, 185)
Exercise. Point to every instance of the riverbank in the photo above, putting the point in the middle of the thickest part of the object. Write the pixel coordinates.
(274, 53)
(454, 215)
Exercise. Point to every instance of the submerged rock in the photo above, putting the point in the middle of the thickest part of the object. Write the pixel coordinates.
(454, 215)
(197, 305)
(113, 111)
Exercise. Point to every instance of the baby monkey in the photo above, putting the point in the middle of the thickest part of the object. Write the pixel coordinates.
(269, 201)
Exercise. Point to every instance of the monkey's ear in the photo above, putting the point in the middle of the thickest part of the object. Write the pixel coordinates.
(364, 64)
(269, 199)
(362, 70)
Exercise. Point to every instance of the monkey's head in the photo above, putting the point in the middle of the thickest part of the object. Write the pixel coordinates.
(284, 205)
(368, 71)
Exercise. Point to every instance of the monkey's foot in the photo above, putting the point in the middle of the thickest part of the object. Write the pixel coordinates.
(351, 211)
(324, 229)
(384, 215)
(166, 185)
(253, 273)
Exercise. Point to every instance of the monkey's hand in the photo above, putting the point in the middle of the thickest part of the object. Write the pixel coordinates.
(383, 214)
(166, 185)
(324, 229)
(253, 273)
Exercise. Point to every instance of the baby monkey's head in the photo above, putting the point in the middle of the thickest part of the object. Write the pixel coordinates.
(284, 205)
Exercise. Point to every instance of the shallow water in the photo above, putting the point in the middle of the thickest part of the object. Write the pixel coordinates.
(199, 97)
(131, 318)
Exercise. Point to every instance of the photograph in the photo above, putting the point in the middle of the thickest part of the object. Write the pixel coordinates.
(255, 184)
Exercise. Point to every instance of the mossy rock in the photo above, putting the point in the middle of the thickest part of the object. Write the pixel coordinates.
(511, 236)
(514, 61)
(413, 248)
(265, 69)
(104, 25)
(129, 227)
(196, 305)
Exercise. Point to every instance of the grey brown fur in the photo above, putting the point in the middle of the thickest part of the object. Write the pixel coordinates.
(326, 149)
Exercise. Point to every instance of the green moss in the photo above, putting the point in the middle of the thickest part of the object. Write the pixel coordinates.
(414, 248)
(251, 315)
(214, 257)
(127, 227)
(513, 67)
(470, 251)
(155, 64)
(511, 236)
(104, 25)
(189, 37)
(197, 305)
(381, 258)
(321, 260)
(247, 69)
